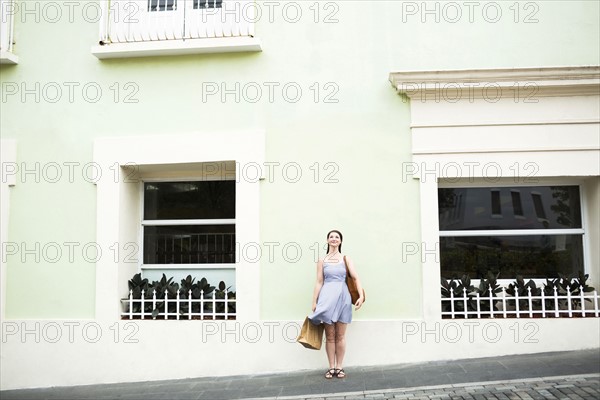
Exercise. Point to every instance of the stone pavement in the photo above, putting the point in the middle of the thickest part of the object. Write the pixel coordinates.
(580, 387)
(558, 375)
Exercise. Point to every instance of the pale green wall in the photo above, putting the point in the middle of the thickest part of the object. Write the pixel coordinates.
(366, 133)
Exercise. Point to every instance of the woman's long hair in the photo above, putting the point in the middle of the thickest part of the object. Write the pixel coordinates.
(341, 240)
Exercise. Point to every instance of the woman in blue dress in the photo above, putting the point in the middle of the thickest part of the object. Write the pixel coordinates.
(332, 304)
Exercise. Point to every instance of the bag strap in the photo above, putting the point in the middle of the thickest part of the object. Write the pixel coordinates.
(347, 270)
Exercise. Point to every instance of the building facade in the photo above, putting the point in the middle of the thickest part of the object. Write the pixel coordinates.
(222, 140)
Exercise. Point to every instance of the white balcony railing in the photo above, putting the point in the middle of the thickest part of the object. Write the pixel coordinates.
(165, 26)
(567, 303)
(7, 12)
(214, 306)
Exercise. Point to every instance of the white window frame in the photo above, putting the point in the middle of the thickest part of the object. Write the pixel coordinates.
(444, 132)
(175, 222)
(162, 156)
(8, 155)
(523, 232)
(6, 33)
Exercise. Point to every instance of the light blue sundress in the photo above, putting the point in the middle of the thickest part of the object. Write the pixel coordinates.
(334, 303)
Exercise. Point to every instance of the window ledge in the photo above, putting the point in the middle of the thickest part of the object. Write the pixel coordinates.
(7, 57)
(177, 47)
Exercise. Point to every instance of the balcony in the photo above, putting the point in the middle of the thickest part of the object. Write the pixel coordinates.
(7, 11)
(144, 28)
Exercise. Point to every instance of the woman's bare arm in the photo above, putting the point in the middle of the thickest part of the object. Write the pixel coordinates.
(318, 284)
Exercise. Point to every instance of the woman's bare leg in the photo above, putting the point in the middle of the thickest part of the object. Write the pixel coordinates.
(330, 345)
(340, 344)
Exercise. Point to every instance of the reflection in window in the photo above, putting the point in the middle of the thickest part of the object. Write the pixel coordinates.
(459, 207)
(533, 256)
(202, 4)
(476, 240)
(562, 207)
(184, 244)
(189, 200)
(496, 206)
(162, 5)
(454, 207)
(516, 203)
(539, 206)
(189, 222)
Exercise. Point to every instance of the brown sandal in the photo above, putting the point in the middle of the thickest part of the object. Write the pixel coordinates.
(340, 371)
(331, 372)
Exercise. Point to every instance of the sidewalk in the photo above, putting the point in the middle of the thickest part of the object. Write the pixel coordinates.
(578, 387)
(560, 375)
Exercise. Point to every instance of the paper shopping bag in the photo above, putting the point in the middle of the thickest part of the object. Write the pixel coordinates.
(311, 335)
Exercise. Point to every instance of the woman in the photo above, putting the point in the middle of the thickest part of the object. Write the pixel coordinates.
(331, 302)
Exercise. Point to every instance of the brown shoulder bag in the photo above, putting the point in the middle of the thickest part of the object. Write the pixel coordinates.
(352, 285)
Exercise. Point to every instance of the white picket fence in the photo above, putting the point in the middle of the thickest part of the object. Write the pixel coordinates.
(504, 305)
(183, 307)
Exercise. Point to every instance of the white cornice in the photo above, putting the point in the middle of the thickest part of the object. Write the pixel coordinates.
(550, 81)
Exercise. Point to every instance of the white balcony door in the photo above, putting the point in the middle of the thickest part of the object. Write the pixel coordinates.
(151, 20)
(7, 10)
(213, 18)
(146, 20)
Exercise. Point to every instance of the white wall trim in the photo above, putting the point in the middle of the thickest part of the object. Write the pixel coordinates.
(7, 9)
(504, 123)
(126, 352)
(8, 155)
(547, 81)
(459, 128)
(118, 202)
(6, 57)
(503, 74)
(177, 47)
(507, 150)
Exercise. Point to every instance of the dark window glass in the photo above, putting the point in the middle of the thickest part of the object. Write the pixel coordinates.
(189, 244)
(559, 204)
(200, 4)
(162, 5)
(516, 203)
(535, 256)
(189, 200)
(496, 206)
(539, 206)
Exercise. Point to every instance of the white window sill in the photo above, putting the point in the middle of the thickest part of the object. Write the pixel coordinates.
(7, 57)
(177, 47)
